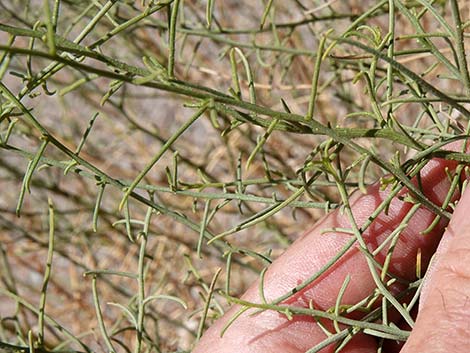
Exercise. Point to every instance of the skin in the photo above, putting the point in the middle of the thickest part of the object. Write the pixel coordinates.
(443, 321)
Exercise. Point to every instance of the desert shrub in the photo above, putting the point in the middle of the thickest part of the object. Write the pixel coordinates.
(156, 156)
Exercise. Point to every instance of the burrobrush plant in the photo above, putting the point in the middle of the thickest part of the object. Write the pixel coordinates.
(156, 156)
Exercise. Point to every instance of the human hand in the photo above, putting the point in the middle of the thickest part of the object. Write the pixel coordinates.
(443, 321)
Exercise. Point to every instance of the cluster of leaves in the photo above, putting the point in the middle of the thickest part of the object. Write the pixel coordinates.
(153, 146)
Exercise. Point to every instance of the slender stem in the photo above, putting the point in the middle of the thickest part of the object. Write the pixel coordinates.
(99, 315)
(160, 153)
(460, 42)
(47, 274)
(172, 38)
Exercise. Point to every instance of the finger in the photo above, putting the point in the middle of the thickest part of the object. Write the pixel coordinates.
(443, 323)
(270, 331)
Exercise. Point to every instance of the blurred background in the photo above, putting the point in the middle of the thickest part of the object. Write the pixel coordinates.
(226, 171)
